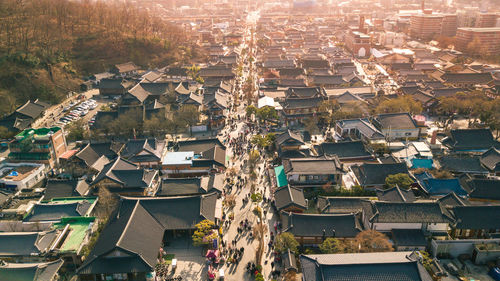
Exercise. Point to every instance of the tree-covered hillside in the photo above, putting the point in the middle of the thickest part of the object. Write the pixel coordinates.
(48, 46)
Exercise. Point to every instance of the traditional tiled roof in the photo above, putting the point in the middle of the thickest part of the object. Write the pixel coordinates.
(476, 78)
(144, 219)
(491, 159)
(477, 217)
(470, 139)
(26, 243)
(344, 150)
(396, 194)
(341, 205)
(313, 166)
(457, 164)
(43, 271)
(392, 212)
(375, 174)
(390, 266)
(287, 196)
(65, 188)
(312, 225)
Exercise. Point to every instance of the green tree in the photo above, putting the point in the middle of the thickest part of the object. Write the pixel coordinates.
(399, 104)
(77, 131)
(327, 109)
(267, 113)
(194, 72)
(402, 180)
(256, 197)
(285, 241)
(204, 233)
(331, 246)
(251, 110)
(348, 111)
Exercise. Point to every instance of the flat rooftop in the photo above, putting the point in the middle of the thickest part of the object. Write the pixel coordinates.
(480, 29)
(16, 172)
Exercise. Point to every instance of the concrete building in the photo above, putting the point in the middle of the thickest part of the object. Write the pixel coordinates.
(486, 20)
(43, 145)
(21, 175)
(358, 43)
(487, 38)
(428, 25)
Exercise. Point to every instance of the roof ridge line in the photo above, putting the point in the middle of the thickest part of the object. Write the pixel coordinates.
(128, 224)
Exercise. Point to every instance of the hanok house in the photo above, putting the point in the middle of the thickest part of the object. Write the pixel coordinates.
(313, 229)
(430, 217)
(91, 158)
(44, 145)
(24, 116)
(26, 246)
(371, 175)
(470, 140)
(491, 161)
(145, 94)
(467, 80)
(58, 208)
(125, 69)
(144, 152)
(192, 158)
(476, 222)
(121, 251)
(301, 103)
(219, 72)
(357, 129)
(389, 266)
(114, 87)
(396, 194)
(327, 81)
(126, 178)
(485, 190)
(313, 172)
(397, 126)
(341, 205)
(346, 151)
(56, 188)
(289, 140)
(290, 199)
(191, 186)
(46, 271)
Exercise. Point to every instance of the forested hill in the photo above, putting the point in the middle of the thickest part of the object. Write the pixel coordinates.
(47, 46)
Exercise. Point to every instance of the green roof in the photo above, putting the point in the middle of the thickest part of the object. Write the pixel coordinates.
(78, 230)
(280, 176)
(40, 131)
(65, 200)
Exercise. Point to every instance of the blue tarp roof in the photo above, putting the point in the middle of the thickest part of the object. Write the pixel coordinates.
(422, 163)
(439, 186)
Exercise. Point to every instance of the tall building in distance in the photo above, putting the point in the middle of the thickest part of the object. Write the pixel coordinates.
(486, 20)
(427, 25)
(485, 41)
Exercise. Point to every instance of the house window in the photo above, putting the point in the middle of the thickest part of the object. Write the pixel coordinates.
(120, 276)
(408, 134)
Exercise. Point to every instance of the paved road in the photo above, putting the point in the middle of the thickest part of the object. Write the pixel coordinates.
(244, 211)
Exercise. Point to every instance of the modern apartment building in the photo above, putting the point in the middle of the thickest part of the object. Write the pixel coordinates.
(428, 25)
(486, 20)
(487, 39)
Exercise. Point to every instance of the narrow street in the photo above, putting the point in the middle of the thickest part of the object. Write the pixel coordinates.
(237, 136)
